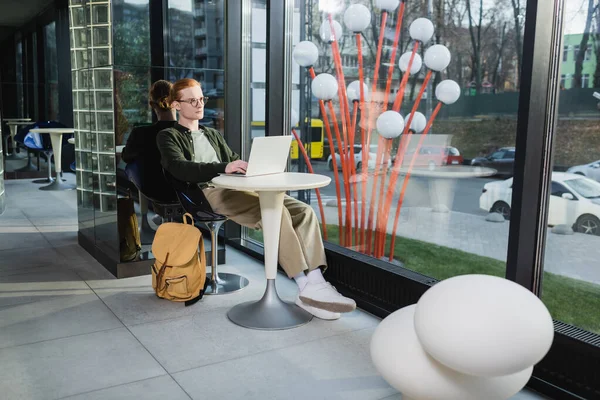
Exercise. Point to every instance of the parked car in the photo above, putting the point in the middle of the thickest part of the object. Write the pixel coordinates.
(591, 170)
(357, 158)
(434, 156)
(502, 160)
(574, 201)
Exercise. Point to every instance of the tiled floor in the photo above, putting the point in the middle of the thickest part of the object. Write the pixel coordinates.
(68, 329)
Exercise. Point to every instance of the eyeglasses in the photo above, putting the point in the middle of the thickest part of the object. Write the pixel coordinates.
(195, 102)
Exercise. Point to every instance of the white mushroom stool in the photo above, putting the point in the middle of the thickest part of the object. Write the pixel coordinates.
(470, 337)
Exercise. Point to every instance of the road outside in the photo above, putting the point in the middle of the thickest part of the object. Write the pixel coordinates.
(465, 198)
(465, 227)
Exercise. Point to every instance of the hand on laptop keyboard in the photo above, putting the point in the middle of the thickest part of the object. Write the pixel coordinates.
(236, 167)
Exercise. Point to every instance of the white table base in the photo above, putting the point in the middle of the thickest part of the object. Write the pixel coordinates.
(58, 184)
(13, 155)
(270, 312)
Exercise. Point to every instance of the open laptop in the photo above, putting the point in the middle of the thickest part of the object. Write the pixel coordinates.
(268, 155)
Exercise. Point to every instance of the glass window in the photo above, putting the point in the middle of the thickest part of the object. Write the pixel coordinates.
(563, 81)
(19, 76)
(565, 53)
(588, 52)
(510, 154)
(571, 284)
(410, 230)
(51, 71)
(585, 81)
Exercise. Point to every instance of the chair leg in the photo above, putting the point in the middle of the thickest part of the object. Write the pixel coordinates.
(225, 282)
(146, 231)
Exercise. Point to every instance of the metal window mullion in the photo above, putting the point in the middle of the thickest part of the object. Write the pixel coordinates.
(538, 96)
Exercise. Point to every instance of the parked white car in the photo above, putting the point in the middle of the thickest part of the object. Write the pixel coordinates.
(357, 158)
(574, 201)
(591, 170)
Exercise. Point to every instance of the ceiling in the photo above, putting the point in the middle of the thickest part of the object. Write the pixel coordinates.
(15, 13)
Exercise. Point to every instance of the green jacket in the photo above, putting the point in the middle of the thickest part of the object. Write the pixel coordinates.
(177, 154)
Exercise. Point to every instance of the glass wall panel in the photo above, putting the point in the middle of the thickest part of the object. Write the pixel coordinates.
(194, 48)
(258, 62)
(51, 71)
(571, 285)
(20, 80)
(427, 191)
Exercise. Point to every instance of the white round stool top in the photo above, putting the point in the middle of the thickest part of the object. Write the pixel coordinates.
(17, 119)
(52, 130)
(71, 140)
(272, 183)
(483, 325)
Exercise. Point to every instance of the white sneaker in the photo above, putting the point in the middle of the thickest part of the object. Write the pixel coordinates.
(317, 312)
(326, 297)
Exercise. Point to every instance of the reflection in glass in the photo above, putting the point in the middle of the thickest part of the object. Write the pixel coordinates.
(410, 207)
(51, 71)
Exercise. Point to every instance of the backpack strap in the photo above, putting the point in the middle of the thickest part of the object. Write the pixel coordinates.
(161, 272)
(185, 219)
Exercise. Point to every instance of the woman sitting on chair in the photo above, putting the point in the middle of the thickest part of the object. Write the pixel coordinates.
(141, 145)
(195, 154)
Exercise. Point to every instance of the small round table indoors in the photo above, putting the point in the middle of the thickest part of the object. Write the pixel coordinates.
(270, 312)
(13, 125)
(56, 139)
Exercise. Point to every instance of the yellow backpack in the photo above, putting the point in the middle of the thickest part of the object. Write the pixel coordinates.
(179, 272)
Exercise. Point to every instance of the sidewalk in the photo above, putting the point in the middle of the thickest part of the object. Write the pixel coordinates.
(574, 256)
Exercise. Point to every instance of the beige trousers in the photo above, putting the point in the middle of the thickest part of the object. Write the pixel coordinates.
(300, 242)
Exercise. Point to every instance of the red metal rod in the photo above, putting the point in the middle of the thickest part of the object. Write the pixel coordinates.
(394, 176)
(346, 125)
(333, 161)
(364, 153)
(317, 191)
(380, 146)
(376, 72)
(407, 177)
(354, 177)
(402, 87)
(388, 85)
(344, 169)
(400, 152)
(381, 224)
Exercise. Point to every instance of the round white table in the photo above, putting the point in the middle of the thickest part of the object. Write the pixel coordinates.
(13, 125)
(56, 139)
(270, 312)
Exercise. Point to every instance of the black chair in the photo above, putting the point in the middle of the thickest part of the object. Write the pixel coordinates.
(193, 201)
(168, 208)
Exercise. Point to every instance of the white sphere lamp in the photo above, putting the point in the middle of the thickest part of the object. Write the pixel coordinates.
(419, 122)
(324, 87)
(390, 124)
(400, 358)
(447, 91)
(325, 31)
(421, 29)
(353, 91)
(357, 18)
(387, 5)
(437, 57)
(416, 64)
(306, 53)
(483, 326)
(294, 119)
